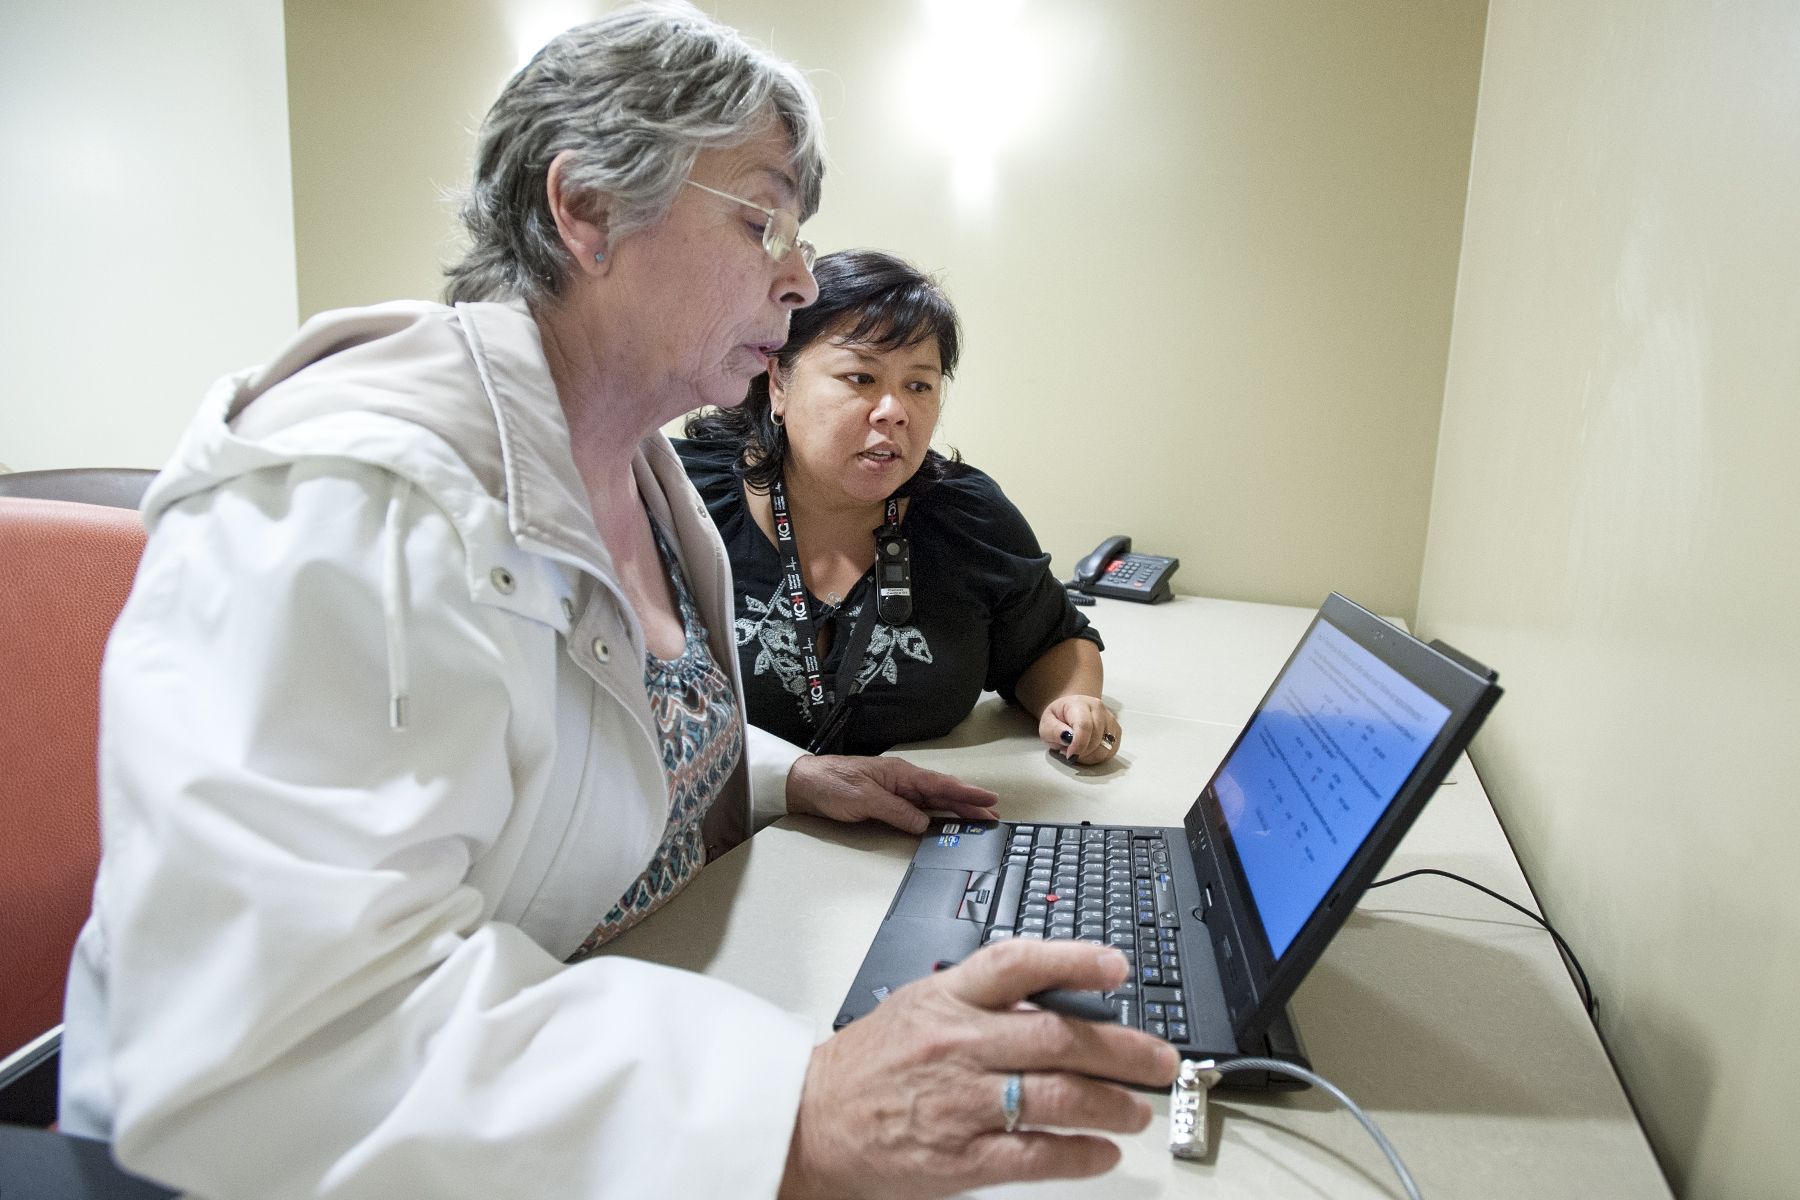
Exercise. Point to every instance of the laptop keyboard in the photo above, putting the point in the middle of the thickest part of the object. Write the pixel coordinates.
(1101, 885)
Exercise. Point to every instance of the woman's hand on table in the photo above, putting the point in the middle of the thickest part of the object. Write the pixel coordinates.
(853, 788)
(1081, 729)
(911, 1101)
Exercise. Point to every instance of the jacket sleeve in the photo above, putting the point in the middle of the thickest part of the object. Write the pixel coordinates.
(303, 993)
(771, 758)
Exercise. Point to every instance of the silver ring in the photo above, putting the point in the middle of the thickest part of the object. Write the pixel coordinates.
(1012, 1099)
(1109, 740)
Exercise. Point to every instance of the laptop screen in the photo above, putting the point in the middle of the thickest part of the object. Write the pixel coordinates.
(1320, 762)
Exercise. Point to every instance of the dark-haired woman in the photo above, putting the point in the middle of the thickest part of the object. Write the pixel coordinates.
(881, 586)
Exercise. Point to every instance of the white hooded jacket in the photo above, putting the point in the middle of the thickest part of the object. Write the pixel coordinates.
(375, 759)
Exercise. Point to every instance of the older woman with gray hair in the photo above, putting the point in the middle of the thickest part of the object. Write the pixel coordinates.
(426, 689)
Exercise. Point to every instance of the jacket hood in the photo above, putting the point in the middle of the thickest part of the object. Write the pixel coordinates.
(474, 376)
(457, 404)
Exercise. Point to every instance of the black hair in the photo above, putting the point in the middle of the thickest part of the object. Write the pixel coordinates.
(868, 298)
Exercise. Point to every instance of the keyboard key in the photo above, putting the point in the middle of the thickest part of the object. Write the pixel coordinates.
(1157, 1028)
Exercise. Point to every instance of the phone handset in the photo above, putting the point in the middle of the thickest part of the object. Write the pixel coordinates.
(1089, 568)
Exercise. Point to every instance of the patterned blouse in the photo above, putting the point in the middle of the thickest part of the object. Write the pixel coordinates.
(985, 607)
(702, 739)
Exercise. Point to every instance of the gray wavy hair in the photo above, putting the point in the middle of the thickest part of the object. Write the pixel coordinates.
(635, 95)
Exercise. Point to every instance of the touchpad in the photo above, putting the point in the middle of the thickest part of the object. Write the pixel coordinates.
(930, 892)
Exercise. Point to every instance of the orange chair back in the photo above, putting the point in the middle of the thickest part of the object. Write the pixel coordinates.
(65, 570)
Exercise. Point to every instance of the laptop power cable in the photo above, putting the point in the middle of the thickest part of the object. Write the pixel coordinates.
(1587, 992)
(1187, 1107)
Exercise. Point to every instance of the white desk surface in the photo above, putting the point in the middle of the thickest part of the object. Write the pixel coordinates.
(1450, 1018)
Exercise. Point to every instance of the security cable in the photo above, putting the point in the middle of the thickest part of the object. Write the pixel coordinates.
(1587, 991)
(1206, 1073)
(1188, 1109)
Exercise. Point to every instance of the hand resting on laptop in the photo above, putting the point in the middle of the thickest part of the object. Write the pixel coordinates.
(852, 788)
(912, 1100)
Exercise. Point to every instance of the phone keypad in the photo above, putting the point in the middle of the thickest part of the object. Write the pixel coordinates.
(1134, 571)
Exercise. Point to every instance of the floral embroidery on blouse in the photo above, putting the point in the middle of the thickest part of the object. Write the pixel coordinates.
(770, 627)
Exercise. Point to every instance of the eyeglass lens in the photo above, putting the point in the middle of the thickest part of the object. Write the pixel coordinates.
(783, 234)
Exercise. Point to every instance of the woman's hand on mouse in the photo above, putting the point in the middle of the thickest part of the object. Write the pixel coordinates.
(1081, 729)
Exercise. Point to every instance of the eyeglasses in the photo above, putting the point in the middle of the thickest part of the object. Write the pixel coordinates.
(780, 235)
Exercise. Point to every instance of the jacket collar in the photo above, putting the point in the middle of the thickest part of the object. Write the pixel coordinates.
(546, 503)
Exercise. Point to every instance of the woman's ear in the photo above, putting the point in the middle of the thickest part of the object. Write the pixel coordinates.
(777, 398)
(580, 219)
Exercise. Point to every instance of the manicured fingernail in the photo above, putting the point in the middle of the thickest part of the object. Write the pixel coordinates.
(1068, 735)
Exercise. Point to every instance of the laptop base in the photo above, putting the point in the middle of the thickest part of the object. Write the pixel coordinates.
(1281, 1040)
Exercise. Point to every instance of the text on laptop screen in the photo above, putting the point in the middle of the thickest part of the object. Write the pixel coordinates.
(1322, 759)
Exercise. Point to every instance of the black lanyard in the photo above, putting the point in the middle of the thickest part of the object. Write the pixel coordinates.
(828, 708)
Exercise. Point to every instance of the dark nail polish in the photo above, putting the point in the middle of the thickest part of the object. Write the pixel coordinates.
(1068, 735)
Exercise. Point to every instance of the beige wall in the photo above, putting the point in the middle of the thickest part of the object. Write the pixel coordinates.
(385, 97)
(1614, 524)
(1207, 285)
(146, 219)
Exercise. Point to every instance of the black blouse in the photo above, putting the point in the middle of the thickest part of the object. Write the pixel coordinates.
(985, 607)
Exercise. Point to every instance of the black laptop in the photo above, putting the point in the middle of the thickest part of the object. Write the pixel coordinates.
(1223, 915)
